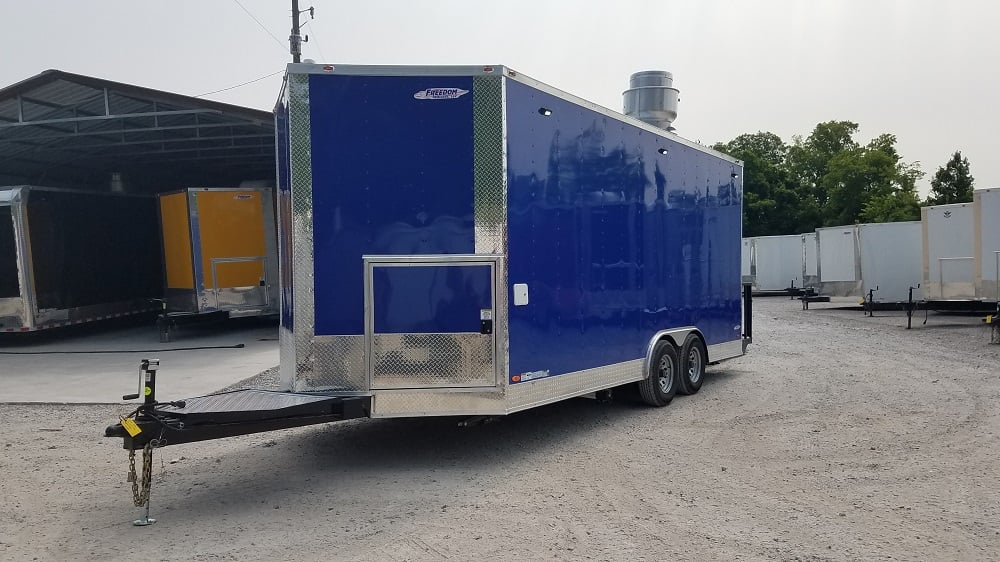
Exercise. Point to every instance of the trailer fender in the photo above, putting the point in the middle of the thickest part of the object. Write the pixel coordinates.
(676, 337)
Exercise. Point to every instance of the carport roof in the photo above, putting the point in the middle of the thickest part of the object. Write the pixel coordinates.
(64, 129)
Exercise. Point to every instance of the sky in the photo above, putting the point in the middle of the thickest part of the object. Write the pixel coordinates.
(927, 71)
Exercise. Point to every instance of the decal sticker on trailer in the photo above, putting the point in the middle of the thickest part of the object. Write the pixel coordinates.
(440, 94)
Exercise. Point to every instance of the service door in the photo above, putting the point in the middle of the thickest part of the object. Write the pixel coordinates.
(429, 321)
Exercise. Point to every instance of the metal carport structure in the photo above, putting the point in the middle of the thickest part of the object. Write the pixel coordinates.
(61, 129)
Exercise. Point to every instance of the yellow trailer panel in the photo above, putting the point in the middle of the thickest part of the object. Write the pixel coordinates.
(231, 225)
(176, 228)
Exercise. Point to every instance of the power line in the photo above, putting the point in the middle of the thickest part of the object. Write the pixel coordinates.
(240, 85)
(276, 40)
(315, 38)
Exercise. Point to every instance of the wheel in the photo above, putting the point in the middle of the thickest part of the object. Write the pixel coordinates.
(660, 387)
(693, 359)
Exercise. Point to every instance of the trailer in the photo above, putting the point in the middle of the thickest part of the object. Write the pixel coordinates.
(890, 261)
(949, 261)
(838, 261)
(69, 257)
(810, 259)
(986, 243)
(468, 241)
(876, 262)
(776, 263)
(220, 256)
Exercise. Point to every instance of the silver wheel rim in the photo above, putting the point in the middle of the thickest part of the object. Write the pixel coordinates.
(694, 365)
(666, 374)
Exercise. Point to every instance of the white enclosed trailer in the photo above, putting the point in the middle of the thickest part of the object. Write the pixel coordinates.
(838, 263)
(810, 263)
(890, 260)
(879, 257)
(949, 261)
(986, 233)
(776, 262)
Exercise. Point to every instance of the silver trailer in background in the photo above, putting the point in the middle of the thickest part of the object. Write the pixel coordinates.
(890, 260)
(810, 262)
(839, 263)
(776, 262)
(986, 242)
(949, 261)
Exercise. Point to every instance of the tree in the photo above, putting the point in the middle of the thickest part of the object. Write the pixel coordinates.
(770, 203)
(809, 158)
(952, 182)
(824, 179)
(870, 183)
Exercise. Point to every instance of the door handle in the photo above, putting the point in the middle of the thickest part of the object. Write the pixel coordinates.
(486, 321)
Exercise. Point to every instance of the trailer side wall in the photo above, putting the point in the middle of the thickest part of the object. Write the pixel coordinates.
(89, 249)
(890, 260)
(778, 262)
(987, 243)
(176, 227)
(615, 240)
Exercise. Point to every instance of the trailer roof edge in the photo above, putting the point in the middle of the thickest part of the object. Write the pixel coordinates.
(495, 70)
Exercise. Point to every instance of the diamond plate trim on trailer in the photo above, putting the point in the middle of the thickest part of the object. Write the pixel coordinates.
(405, 403)
(339, 364)
(488, 159)
(300, 169)
(490, 199)
(429, 360)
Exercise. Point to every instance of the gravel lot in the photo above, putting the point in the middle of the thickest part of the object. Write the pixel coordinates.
(839, 437)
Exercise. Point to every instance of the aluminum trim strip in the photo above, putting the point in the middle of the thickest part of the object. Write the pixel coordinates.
(395, 70)
(723, 351)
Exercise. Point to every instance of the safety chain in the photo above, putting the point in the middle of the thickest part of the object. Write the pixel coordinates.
(141, 496)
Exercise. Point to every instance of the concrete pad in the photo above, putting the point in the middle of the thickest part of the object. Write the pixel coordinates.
(61, 366)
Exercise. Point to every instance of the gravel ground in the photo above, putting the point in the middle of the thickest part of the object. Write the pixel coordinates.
(839, 437)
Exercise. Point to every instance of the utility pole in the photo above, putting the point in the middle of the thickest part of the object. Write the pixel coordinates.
(295, 39)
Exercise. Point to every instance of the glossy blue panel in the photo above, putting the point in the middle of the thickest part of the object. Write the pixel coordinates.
(430, 299)
(284, 198)
(392, 174)
(615, 240)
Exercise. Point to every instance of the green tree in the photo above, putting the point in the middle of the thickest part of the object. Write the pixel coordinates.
(952, 182)
(826, 178)
(770, 203)
(871, 184)
(809, 160)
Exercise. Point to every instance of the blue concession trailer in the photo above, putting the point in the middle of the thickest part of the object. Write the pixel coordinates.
(469, 241)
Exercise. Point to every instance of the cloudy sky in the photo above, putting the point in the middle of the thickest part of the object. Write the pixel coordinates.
(927, 71)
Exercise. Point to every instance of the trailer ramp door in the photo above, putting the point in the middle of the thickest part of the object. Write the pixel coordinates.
(429, 321)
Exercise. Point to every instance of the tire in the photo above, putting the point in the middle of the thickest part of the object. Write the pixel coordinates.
(693, 359)
(659, 388)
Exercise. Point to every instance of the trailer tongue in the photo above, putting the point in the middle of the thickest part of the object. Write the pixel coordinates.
(156, 424)
(228, 414)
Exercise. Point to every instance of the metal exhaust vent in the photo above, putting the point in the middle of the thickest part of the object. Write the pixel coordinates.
(652, 98)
